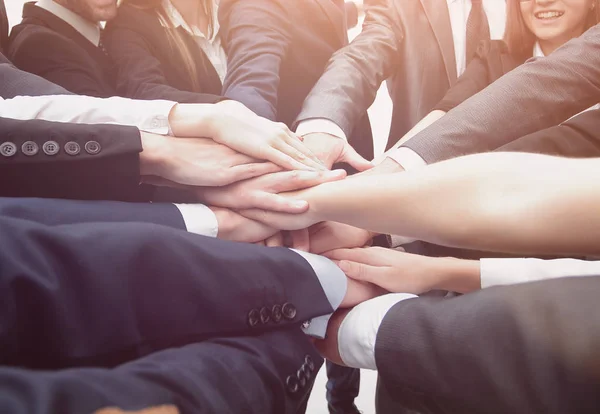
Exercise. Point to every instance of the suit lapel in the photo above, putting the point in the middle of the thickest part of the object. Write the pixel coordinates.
(439, 19)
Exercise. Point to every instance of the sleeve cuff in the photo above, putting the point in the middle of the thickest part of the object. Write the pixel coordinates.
(509, 271)
(320, 125)
(333, 282)
(407, 158)
(199, 219)
(358, 331)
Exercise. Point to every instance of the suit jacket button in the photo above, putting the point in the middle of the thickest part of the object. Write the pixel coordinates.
(253, 317)
(291, 384)
(92, 147)
(289, 311)
(301, 378)
(265, 315)
(50, 148)
(276, 313)
(72, 148)
(30, 148)
(309, 363)
(306, 371)
(8, 149)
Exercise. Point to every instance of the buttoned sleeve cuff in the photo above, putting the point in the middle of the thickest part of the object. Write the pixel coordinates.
(358, 330)
(333, 282)
(495, 272)
(147, 116)
(407, 158)
(320, 125)
(199, 219)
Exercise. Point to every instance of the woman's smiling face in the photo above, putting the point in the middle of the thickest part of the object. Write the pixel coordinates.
(556, 21)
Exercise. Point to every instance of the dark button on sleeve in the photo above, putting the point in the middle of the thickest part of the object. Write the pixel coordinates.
(289, 311)
(276, 313)
(309, 363)
(291, 384)
(253, 317)
(301, 378)
(50, 148)
(72, 148)
(265, 315)
(306, 371)
(8, 149)
(30, 148)
(93, 147)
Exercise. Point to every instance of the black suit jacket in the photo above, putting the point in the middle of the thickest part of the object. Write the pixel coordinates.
(277, 50)
(136, 281)
(147, 66)
(528, 348)
(112, 173)
(3, 27)
(48, 46)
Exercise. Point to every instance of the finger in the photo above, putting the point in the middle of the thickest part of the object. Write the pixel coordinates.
(277, 203)
(276, 220)
(298, 180)
(298, 155)
(355, 160)
(275, 241)
(375, 256)
(245, 172)
(285, 160)
(361, 271)
(299, 146)
(300, 240)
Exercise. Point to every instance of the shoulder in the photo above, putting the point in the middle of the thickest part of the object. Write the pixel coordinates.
(27, 40)
(133, 18)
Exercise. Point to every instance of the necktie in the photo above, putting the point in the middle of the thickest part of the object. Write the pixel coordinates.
(478, 28)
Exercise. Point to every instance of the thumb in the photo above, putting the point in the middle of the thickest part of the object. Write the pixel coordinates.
(355, 160)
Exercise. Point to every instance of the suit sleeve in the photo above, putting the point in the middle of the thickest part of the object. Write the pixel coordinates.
(354, 73)
(139, 73)
(257, 35)
(530, 348)
(16, 82)
(578, 137)
(227, 375)
(59, 63)
(52, 212)
(107, 170)
(536, 95)
(97, 291)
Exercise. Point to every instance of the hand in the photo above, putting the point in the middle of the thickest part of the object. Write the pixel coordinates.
(297, 239)
(331, 149)
(393, 270)
(235, 227)
(262, 192)
(195, 162)
(232, 124)
(331, 235)
(329, 347)
(281, 221)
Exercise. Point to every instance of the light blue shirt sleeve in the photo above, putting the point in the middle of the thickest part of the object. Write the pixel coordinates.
(333, 282)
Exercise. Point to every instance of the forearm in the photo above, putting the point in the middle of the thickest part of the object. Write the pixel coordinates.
(519, 203)
(428, 120)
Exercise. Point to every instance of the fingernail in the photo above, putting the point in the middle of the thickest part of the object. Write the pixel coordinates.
(299, 203)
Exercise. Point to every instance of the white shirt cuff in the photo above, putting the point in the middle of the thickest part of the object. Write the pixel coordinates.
(334, 284)
(495, 272)
(358, 331)
(320, 125)
(147, 116)
(407, 158)
(199, 219)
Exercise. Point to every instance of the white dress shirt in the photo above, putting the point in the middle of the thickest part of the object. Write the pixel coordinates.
(358, 331)
(459, 13)
(211, 47)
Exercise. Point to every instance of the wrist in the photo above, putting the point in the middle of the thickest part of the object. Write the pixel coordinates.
(224, 222)
(456, 275)
(153, 157)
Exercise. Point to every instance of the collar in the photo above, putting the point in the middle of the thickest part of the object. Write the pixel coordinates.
(89, 30)
(537, 51)
(177, 20)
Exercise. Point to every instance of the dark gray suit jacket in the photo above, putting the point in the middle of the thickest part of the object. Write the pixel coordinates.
(389, 47)
(528, 348)
(535, 96)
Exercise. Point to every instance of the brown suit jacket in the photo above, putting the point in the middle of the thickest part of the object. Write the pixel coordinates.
(407, 42)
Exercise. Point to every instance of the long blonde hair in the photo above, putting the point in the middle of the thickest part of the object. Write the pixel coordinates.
(175, 38)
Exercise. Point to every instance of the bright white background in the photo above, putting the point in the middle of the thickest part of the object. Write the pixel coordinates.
(380, 115)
